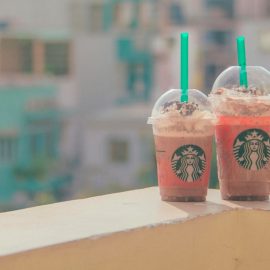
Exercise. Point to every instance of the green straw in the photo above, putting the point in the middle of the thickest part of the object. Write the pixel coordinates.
(184, 67)
(241, 50)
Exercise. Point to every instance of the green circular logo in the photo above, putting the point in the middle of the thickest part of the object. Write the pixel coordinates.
(188, 162)
(251, 149)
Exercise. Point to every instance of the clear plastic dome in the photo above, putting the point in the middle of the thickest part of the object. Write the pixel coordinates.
(258, 77)
(173, 95)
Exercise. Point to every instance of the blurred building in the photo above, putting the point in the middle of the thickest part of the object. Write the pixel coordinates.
(30, 132)
(38, 127)
(258, 35)
(116, 77)
(118, 151)
(138, 41)
(108, 61)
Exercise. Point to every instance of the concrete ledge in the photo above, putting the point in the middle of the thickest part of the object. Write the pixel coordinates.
(135, 230)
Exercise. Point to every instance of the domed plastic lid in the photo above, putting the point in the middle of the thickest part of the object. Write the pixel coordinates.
(228, 98)
(258, 82)
(170, 102)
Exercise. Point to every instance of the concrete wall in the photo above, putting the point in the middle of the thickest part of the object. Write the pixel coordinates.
(135, 230)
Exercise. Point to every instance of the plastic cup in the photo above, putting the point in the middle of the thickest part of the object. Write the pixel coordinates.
(242, 133)
(183, 134)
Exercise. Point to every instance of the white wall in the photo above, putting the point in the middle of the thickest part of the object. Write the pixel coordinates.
(251, 9)
(36, 14)
(167, 69)
(99, 170)
(99, 75)
(253, 31)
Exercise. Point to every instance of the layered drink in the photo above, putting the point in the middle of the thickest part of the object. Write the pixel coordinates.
(242, 135)
(183, 135)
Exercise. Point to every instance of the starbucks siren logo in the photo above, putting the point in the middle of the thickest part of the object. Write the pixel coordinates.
(251, 149)
(188, 162)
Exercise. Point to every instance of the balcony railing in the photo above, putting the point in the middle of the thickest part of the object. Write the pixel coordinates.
(135, 230)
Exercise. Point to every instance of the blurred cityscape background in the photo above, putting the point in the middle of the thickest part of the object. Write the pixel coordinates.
(78, 79)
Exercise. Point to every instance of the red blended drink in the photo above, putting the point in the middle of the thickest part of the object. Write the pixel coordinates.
(183, 135)
(243, 134)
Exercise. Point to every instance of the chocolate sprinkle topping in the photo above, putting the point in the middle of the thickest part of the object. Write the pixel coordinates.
(185, 109)
(252, 91)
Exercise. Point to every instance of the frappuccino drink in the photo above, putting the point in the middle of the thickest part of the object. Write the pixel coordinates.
(183, 133)
(243, 133)
(183, 128)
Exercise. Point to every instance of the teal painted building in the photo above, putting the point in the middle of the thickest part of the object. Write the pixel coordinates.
(30, 131)
(139, 60)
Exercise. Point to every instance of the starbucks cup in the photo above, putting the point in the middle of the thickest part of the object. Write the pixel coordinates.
(183, 133)
(242, 133)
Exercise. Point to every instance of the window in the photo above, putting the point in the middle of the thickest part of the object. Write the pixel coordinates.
(96, 17)
(8, 149)
(4, 25)
(41, 144)
(226, 6)
(42, 135)
(118, 150)
(218, 37)
(57, 58)
(87, 17)
(125, 15)
(176, 14)
(148, 14)
(16, 56)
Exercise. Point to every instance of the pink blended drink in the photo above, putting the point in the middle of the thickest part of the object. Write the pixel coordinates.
(243, 134)
(183, 135)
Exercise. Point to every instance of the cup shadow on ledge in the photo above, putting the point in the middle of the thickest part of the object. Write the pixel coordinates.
(256, 205)
(210, 207)
(200, 208)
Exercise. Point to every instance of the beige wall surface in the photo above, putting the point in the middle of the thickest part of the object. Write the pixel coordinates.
(231, 240)
(135, 230)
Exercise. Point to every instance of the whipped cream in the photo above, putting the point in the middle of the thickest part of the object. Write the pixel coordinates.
(240, 102)
(182, 119)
